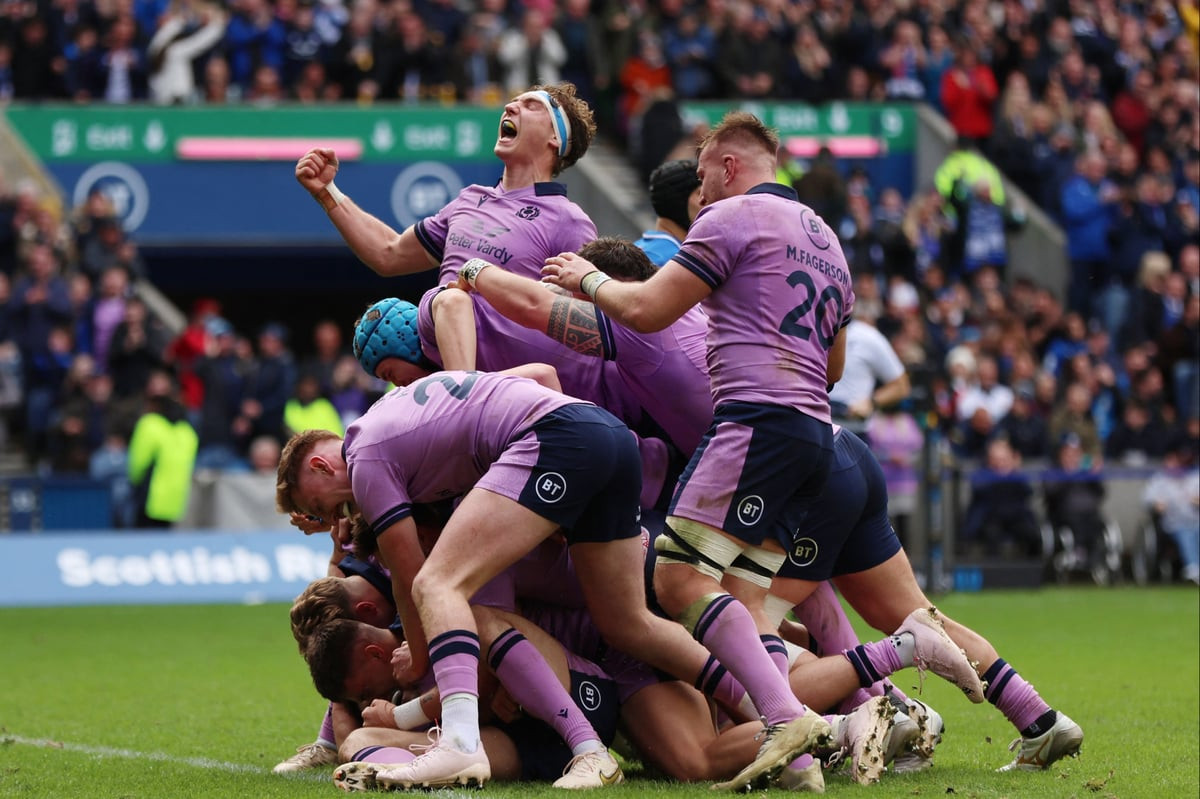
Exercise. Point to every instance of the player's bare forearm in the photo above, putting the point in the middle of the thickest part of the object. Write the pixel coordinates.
(377, 245)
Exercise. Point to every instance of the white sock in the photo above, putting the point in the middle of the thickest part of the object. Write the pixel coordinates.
(460, 722)
(592, 745)
(906, 647)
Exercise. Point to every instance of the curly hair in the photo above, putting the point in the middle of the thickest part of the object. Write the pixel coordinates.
(579, 114)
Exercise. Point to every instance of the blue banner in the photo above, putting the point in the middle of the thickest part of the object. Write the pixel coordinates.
(239, 203)
(166, 568)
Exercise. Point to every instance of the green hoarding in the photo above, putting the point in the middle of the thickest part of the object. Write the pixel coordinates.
(71, 133)
(893, 123)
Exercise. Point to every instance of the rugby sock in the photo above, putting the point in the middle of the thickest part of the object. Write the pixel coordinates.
(823, 616)
(454, 658)
(325, 737)
(727, 630)
(1017, 700)
(778, 652)
(535, 687)
(383, 754)
(716, 682)
(878, 659)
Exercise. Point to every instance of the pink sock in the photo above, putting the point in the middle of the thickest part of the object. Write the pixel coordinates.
(384, 754)
(727, 630)
(325, 736)
(1012, 695)
(535, 687)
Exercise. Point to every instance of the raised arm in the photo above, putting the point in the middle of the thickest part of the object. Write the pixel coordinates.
(376, 244)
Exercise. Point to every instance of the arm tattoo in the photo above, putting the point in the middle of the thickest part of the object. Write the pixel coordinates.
(573, 323)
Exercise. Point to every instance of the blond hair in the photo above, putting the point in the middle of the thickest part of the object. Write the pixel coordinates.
(742, 127)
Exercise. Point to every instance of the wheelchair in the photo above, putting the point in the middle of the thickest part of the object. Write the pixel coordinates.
(1068, 560)
(1154, 557)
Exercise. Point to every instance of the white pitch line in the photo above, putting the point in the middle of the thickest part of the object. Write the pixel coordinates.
(133, 754)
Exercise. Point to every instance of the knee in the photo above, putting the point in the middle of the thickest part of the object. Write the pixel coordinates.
(352, 744)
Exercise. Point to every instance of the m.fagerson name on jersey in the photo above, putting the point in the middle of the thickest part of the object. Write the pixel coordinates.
(818, 264)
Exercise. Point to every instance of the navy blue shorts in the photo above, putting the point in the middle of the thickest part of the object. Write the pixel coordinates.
(756, 471)
(543, 752)
(588, 475)
(847, 530)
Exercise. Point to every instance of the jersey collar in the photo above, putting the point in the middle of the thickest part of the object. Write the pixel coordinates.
(778, 189)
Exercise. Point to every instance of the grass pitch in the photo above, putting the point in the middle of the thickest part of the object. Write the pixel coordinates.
(201, 701)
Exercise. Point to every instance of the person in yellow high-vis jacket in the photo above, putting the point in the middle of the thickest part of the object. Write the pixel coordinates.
(162, 454)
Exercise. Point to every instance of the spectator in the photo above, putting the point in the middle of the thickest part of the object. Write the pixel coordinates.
(474, 68)
(409, 66)
(1139, 437)
(266, 88)
(691, 50)
(1173, 496)
(272, 383)
(303, 44)
(1179, 354)
(644, 78)
(982, 405)
(253, 38)
(162, 455)
(40, 319)
(109, 463)
(904, 61)
(109, 246)
(582, 37)
(264, 456)
(349, 396)
(823, 189)
(108, 310)
(8, 89)
(968, 93)
(83, 312)
(36, 63)
(138, 348)
(85, 418)
(186, 349)
(1139, 227)
(1145, 319)
(309, 410)
(873, 376)
(223, 430)
(1074, 492)
(999, 518)
(327, 350)
(1073, 418)
(123, 69)
(532, 54)
(896, 440)
(939, 57)
(751, 56)
(179, 42)
(1088, 207)
(1024, 427)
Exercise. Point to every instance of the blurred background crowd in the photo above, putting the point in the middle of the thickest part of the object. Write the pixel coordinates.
(1090, 108)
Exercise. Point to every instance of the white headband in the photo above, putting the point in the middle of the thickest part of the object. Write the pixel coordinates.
(558, 117)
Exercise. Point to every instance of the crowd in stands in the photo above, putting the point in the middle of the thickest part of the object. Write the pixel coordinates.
(1091, 109)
